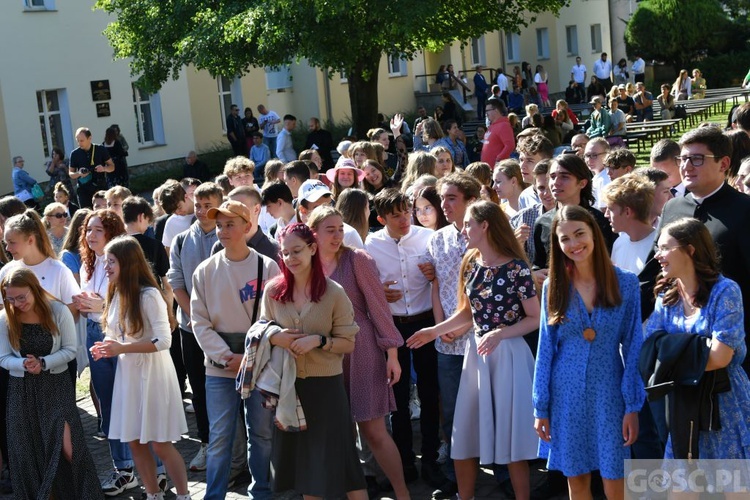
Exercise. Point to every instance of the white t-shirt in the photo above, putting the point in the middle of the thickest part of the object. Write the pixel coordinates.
(174, 226)
(53, 275)
(632, 255)
(597, 184)
(579, 73)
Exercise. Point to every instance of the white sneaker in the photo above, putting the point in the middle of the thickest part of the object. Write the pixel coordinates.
(198, 462)
(119, 481)
(190, 408)
(161, 480)
(155, 496)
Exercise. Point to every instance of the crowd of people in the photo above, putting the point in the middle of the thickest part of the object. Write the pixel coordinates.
(521, 297)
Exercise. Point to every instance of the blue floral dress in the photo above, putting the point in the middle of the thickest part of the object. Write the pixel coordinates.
(721, 318)
(586, 388)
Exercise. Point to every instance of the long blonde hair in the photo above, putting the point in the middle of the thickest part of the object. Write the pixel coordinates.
(24, 277)
(30, 224)
(500, 236)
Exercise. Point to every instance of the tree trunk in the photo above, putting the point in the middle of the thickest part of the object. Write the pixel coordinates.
(363, 94)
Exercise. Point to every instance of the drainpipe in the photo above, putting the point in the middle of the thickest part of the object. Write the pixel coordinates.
(327, 95)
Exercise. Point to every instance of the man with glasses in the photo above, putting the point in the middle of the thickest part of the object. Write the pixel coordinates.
(578, 144)
(595, 152)
(499, 141)
(704, 160)
(236, 131)
(89, 163)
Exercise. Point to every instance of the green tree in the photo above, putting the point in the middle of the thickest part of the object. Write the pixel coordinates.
(229, 37)
(675, 31)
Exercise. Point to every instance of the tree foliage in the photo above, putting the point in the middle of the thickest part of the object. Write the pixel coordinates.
(229, 37)
(676, 31)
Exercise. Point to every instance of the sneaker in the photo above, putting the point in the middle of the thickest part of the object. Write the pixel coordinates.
(415, 409)
(155, 496)
(442, 453)
(198, 462)
(119, 481)
(190, 408)
(238, 477)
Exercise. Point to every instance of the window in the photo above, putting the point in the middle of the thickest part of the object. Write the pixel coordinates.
(50, 121)
(571, 40)
(230, 92)
(396, 66)
(513, 47)
(596, 38)
(477, 51)
(542, 43)
(148, 120)
(39, 4)
(279, 78)
(225, 99)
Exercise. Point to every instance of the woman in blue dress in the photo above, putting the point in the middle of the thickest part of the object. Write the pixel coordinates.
(494, 418)
(586, 393)
(693, 297)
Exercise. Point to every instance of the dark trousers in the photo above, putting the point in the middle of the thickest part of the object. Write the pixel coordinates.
(481, 103)
(425, 364)
(640, 77)
(581, 92)
(240, 147)
(86, 194)
(193, 356)
(607, 83)
(175, 352)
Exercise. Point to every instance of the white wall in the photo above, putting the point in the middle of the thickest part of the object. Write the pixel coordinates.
(64, 49)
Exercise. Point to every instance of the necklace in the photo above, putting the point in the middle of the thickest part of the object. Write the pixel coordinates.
(103, 277)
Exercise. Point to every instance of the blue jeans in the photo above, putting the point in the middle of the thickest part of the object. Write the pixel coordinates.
(223, 403)
(449, 377)
(103, 377)
(260, 427)
(271, 143)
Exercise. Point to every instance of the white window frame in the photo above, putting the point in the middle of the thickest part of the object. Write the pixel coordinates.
(477, 49)
(278, 78)
(512, 47)
(157, 122)
(396, 66)
(596, 38)
(38, 5)
(542, 44)
(65, 132)
(234, 92)
(571, 39)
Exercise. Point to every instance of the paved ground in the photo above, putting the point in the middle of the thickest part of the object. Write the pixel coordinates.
(486, 486)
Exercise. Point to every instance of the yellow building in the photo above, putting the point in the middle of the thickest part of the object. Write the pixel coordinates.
(57, 74)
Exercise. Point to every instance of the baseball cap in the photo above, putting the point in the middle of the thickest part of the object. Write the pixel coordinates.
(621, 86)
(312, 190)
(230, 208)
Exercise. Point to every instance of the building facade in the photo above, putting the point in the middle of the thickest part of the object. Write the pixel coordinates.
(57, 74)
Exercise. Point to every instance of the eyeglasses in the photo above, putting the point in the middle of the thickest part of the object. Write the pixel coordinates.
(428, 210)
(58, 216)
(21, 299)
(487, 110)
(593, 156)
(663, 249)
(696, 160)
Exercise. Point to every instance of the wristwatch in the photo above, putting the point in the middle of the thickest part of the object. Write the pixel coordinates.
(323, 341)
(43, 364)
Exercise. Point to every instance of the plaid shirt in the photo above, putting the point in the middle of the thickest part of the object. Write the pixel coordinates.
(528, 216)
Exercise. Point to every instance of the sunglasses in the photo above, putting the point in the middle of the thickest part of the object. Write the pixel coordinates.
(58, 216)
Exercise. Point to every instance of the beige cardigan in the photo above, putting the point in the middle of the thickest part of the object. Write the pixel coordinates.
(332, 316)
